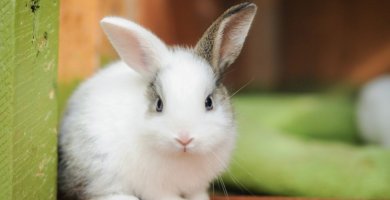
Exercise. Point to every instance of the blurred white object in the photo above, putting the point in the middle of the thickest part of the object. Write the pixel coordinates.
(374, 111)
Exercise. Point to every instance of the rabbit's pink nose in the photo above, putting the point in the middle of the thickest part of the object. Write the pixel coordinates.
(184, 138)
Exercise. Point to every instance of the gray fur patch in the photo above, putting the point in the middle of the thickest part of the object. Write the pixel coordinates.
(207, 48)
(69, 186)
(221, 94)
(152, 94)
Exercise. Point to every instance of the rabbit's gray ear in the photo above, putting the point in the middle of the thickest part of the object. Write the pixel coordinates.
(137, 47)
(221, 44)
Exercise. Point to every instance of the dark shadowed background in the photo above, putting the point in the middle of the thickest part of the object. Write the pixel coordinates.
(293, 45)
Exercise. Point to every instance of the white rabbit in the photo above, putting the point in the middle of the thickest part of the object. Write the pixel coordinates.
(374, 111)
(158, 124)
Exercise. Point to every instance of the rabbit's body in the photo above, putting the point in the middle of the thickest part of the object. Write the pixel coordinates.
(102, 143)
(159, 123)
(374, 111)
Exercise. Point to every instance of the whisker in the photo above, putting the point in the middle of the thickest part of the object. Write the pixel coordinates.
(224, 188)
(242, 87)
(234, 179)
(239, 184)
(219, 177)
(217, 180)
(242, 168)
(213, 194)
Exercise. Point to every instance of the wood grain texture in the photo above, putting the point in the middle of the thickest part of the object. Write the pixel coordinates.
(6, 95)
(180, 22)
(83, 45)
(78, 40)
(324, 42)
(28, 100)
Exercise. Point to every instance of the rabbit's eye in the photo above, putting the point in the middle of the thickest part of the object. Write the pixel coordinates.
(159, 105)
(208, 103)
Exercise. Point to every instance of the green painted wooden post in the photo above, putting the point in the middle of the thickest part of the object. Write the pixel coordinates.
(28, 109)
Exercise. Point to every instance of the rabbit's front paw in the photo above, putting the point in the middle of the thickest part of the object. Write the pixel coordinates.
(199, 196)
(115, 197)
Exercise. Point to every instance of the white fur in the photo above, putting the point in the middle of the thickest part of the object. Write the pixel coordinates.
(147, 52)
(374, 111)
(231, 36)
(120, 150)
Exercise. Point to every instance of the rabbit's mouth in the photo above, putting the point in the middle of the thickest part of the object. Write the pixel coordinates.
(185, 148)
(185, 142)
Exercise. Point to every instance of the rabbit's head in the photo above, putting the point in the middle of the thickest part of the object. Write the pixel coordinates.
(188, 107)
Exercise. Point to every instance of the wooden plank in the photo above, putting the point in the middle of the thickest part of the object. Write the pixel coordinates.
(7, 19)
(183, 22)
(83, 46)
(370, 68)
(31, 64)
(324, 42)
(78, 40)
(126, 9)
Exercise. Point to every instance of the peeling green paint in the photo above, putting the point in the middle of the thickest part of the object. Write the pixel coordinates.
(34, 5)
(28, 108)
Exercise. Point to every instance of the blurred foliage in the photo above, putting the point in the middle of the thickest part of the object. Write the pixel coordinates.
(305, 145)
(312, 116)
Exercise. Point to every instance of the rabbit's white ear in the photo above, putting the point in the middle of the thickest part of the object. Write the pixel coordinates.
(221, 44)
(137, 47)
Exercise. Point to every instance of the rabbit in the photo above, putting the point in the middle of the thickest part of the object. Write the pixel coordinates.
(158, 124)
(373, 112)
